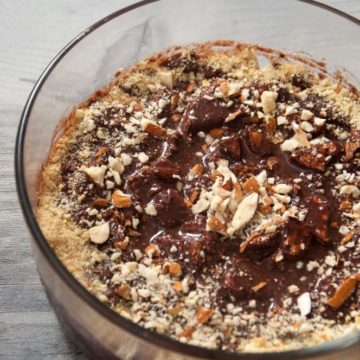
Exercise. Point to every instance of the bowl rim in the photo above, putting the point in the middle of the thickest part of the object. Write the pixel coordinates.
(90, 299)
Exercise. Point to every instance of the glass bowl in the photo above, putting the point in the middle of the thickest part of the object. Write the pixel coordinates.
(88, 63)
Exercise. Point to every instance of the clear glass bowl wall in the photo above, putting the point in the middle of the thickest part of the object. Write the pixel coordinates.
(88, 63)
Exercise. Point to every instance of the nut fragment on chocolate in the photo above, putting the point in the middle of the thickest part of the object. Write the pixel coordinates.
(120, 199)
(344, 291)
(212, 200)
(100, 233)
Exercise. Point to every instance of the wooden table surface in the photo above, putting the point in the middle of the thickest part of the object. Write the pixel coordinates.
(31, 33)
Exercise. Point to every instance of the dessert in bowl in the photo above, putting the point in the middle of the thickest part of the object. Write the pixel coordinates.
(203, 195)
(214, 200)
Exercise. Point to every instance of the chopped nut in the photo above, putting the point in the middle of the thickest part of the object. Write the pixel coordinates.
(344, 291)
(143, 158)
(188, 202)
(214, 175)
(306, 115)
(238, 191)
(271, 162)
(197, 169)
(290, 110)
(216, 133)
(138, 107)
(300, 136)
(175, 311)
(138, 254)
(250, 185)
(194, 196)
(282, 188)
(166, 78)
(175, 269)
(162, 103)
(175, 117)
(245, 211)
(347, 238)
(124, 291)
(289, 145)
(224, 87)
(293, 289)
(96, 173)
(257, 141)
(122, 245)
(228, 185)
(356, 208)
(261, 177)
(201, 205)
(351, 146)
(100, 202)
(174, 102)
(316, 157)
(99, 156)
(244, 95)
(150, 210)
(350, 190)
(281, 120)
(319, 121)
(203, 314)
(100, 233)
(155, 130)
(345, 205)
(233, 88)
(271, 125)
(260, 241)
(177, 286)
(304, 303)
(268, 101)
(187, 332)
(190, 88)
(166, 169)
(259, 286)
(133, 233)
(306, 126)
(79, 114)
(265, 209)
(232, 116)
(152, 250)
(214, 224)
(121, 200)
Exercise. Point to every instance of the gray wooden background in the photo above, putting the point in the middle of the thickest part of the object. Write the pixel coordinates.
(31, 33)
